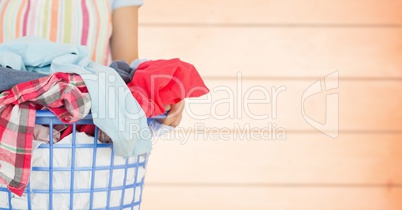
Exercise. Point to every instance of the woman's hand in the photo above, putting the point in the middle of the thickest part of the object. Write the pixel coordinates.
(174, 115)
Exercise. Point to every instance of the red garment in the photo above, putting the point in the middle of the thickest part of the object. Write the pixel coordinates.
(164, 82)
(88, 129)
(156, 84)
(64, 94)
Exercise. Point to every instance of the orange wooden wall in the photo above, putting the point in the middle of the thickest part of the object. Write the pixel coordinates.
(290, 44)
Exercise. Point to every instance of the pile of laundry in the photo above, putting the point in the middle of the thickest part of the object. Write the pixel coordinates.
(39, 180)
(37, 74)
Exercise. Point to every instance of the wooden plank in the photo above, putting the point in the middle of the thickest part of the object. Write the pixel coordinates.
(201, 158)
(272, 12)
(362, 106)
(281, 198)
(279, 52)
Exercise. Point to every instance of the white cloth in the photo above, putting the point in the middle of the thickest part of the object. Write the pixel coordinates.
(82, 179)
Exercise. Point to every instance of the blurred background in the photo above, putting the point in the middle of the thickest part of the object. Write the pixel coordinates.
(304, 110)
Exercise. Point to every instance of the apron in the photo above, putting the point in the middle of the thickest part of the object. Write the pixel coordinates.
(84, 22)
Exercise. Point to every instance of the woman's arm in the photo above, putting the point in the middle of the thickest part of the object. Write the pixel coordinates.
(124, 46)
(124, 41)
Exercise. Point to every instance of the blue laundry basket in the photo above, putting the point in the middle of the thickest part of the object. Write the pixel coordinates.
(125, 193)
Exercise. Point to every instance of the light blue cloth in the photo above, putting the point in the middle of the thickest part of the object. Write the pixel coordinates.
(138, 62)
(124, 3)
(157, 128)
(114, 109)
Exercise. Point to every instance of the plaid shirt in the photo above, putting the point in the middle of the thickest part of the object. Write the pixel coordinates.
(64, 94)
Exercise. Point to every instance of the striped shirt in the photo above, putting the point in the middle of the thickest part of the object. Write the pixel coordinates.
(85, 22)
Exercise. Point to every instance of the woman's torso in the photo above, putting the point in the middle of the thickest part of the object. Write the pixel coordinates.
(85, 22)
